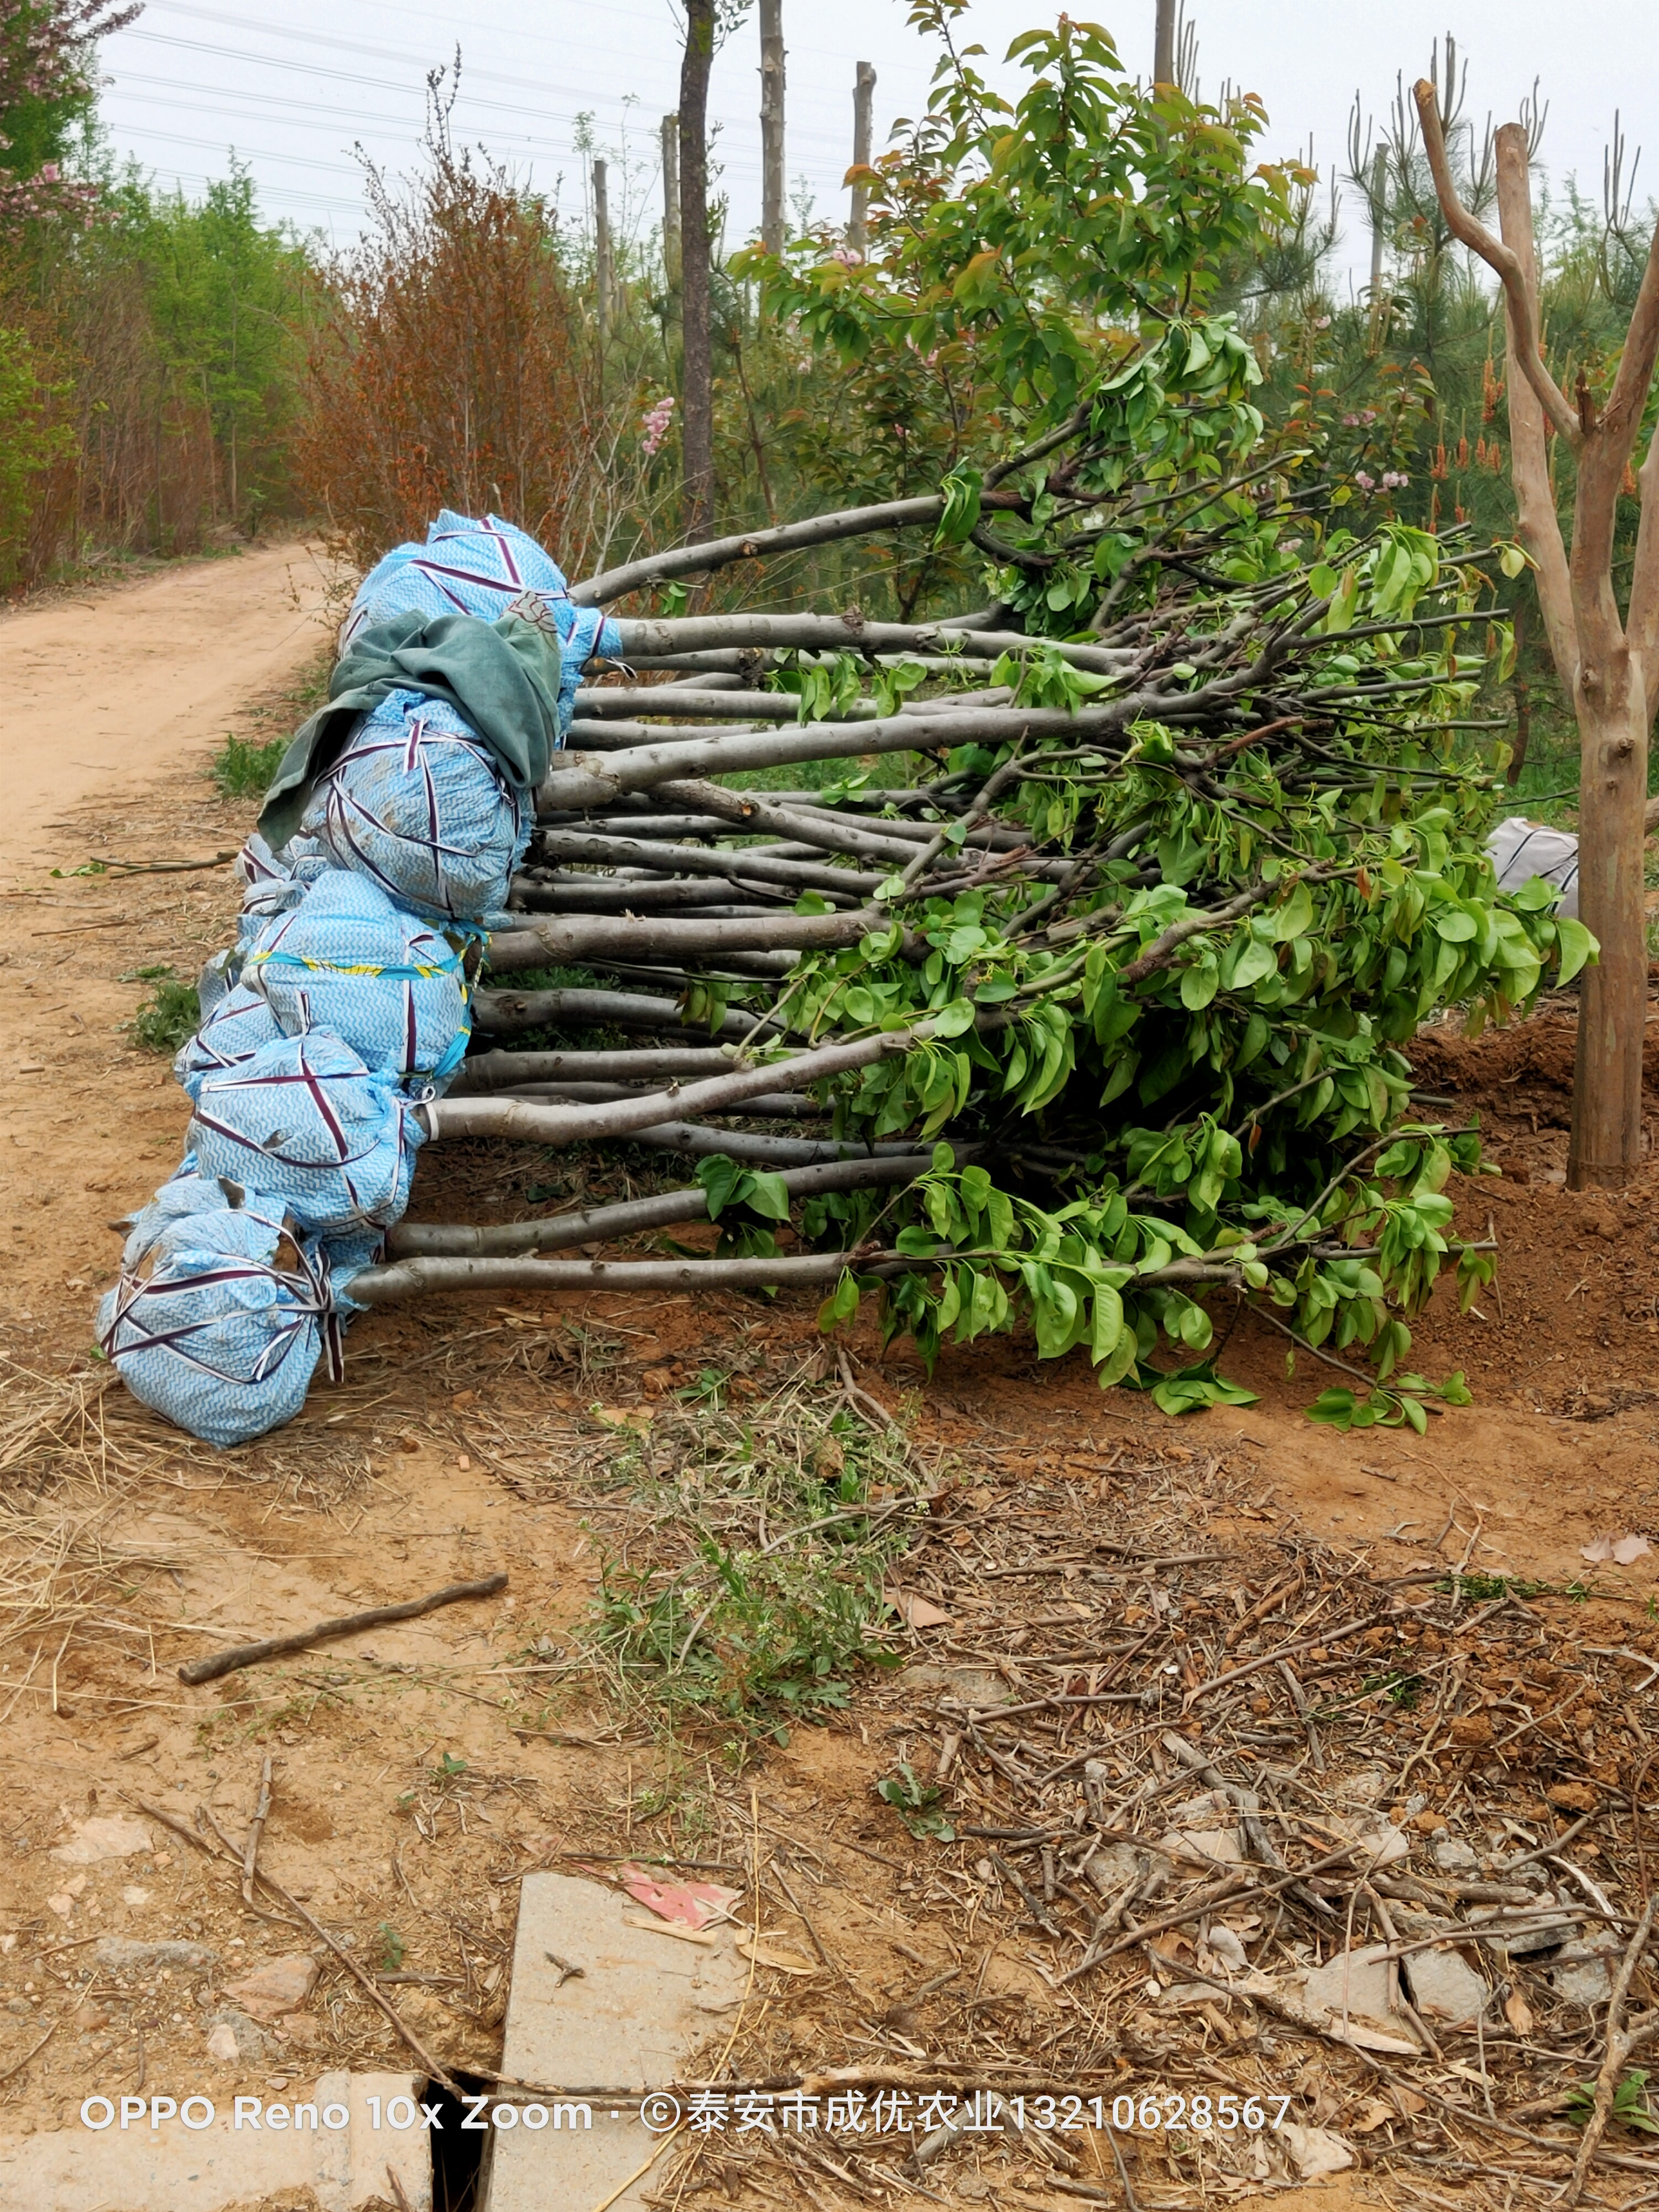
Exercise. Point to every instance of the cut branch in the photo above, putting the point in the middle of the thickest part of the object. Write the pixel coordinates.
(604, 1224)
(409, 1278)
(755, 545)
(582, 937)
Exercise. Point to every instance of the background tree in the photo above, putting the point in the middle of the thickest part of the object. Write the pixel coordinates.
(1606, 654)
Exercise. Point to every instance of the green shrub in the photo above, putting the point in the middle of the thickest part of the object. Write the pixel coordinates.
(169, 1015)
(244, 770)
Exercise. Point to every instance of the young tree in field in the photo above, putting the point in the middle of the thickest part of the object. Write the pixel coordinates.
(1606, 658)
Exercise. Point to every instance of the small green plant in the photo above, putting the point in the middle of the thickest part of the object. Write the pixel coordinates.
(1402, 1690)
(709, 1388)
(1630, 2103)
(761, 1582)
(773, 1644)
(243, 769)
(450, 1768)
(392, 1948)
(916, 1803)
(169, 1015)
(1481, 1590)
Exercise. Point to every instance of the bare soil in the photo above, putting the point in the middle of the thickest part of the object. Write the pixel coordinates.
(420, 1773)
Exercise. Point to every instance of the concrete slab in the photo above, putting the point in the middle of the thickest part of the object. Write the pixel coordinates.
(157, 2164)
(641, 2003)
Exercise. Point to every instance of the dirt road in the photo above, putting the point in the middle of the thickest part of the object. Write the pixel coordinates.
(104, 693)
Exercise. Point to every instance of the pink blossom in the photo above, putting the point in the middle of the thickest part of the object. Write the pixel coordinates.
(655, 427)
(1393, 478)
(1365, 482)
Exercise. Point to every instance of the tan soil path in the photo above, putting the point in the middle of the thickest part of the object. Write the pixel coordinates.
(103, 693)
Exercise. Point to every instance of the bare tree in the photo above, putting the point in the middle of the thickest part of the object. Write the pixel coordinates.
(863, 93)
(772, 158)
(1607, 661)
(697, 419)
(604, 279)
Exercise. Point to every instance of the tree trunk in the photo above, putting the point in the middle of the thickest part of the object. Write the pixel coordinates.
(1606, 1148)
(697, 430)
(857, 235)
(772, 149)
(671, 202)
(1537, 525)
(602, 269)
(1523, 691)
(1164, 44)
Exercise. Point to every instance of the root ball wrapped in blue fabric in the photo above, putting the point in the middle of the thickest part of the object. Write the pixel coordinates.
(307, 1123)
(415, 803)
(350, 960)
(221, 1312)
(238, 1025)
(470, 568)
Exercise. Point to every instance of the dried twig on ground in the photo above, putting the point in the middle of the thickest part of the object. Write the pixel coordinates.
(377, 1616)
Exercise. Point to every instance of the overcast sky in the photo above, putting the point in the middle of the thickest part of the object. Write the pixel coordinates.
(293, 87)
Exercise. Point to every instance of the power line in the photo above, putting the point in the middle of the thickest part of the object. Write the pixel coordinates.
(383, 84)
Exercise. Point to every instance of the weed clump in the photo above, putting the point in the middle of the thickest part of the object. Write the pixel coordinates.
(758, 1582)
(243, 769)
(169, 1016)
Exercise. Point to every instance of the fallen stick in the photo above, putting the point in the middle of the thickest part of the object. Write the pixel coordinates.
(255, 1830)
(1228, 1891)
(434, 2067)
(1621, 2044)
(377, 1616)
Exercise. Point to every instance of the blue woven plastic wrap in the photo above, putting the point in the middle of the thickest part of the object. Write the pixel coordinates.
(240, 1023)
(307, 1124)
(222, 1311)
(468, 567)
(275, 883)
(415, 803)
(349, 959)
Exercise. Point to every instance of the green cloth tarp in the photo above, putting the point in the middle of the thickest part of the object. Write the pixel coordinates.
(502, 676)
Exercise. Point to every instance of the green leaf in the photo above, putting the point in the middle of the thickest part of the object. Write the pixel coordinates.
(1577, 946)
(768, 1195)
(1292, 918)
(720, 1176)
